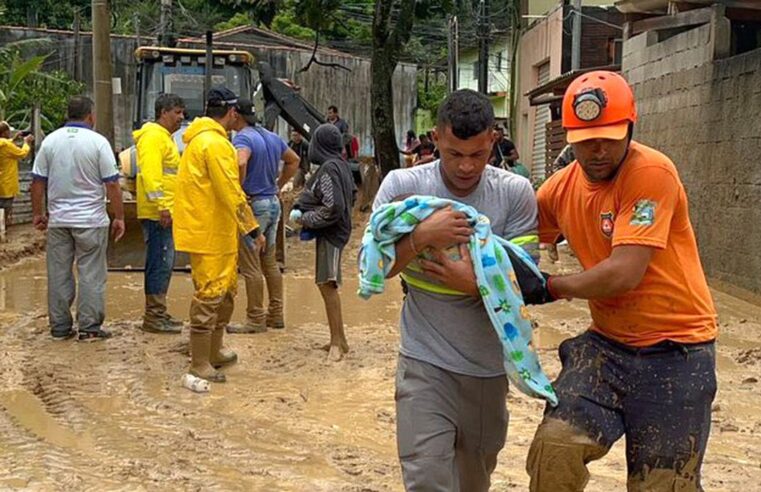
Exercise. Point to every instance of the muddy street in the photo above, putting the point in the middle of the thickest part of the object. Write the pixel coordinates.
(113, 416)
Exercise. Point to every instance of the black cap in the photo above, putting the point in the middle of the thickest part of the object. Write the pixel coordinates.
(246, 109)
(221, 96)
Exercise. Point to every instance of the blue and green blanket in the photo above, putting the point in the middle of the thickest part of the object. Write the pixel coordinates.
(494, 271)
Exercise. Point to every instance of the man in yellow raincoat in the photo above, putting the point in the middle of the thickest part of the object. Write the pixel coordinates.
(210, 211)
(10, 154)
(158, 159)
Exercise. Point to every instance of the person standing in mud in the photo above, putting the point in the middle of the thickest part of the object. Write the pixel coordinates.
(324, 210)
(210, 211)
(450, 383)
(10, 154)
(646, 367)
(259, 154)
(77, 168)
(158, 159)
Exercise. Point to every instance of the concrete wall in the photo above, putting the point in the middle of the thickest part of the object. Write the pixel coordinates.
(543, 42)
(704, 111)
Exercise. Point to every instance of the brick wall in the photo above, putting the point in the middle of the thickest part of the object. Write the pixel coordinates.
(598, 36)
(705, 114)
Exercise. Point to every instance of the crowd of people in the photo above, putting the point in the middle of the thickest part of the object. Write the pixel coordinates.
(219, 202)
(423, 148)
(645, 369)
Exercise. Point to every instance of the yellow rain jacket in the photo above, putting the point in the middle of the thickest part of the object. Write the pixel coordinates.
(210, 208)
(158, 160)
(10, 153)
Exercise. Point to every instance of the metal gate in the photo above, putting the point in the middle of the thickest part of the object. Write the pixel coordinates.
(539, 154)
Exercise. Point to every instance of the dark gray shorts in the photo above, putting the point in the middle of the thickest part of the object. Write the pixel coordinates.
(328, 263)
(6, 203)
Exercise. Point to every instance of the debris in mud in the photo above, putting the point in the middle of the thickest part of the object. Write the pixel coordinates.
(749, 356)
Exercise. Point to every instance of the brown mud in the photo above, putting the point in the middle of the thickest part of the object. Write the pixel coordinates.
(113, 416)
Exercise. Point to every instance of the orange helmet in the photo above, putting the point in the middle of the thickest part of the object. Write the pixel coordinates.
(598, 105)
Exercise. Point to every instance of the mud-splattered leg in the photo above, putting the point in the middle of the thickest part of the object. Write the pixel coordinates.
(587, 421)
(668, 419)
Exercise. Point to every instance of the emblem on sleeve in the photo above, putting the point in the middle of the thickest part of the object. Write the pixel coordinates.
(643, 213)
(606, 223)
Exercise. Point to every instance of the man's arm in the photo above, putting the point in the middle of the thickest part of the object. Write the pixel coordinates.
(227, 188)
(40, 218)
(114, 194)
(439, 231)
(291, 160)
(618, 274)
(244, 154)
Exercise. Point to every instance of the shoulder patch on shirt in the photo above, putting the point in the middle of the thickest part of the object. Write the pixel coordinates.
(643, 213)
(606, 223)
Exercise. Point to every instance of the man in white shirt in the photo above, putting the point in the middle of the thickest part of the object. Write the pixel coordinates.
(77, 168)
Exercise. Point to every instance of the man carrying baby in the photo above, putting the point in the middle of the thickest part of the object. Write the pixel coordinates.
(450, 382)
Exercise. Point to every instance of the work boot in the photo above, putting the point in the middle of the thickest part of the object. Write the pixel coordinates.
(203, 321)
(246, 328)
(156, 319)
(200, 350)
(221, 355)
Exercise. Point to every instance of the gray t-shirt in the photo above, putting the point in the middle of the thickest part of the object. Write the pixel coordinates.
(454, 332)
(76, 162)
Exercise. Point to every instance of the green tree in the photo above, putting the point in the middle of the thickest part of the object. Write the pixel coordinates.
(389, 39)
(23, 83)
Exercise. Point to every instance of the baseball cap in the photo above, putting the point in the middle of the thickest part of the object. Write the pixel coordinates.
(245, 108)
(221, 96)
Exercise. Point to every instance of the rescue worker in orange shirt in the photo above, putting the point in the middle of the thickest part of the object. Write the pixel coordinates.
(645, 369)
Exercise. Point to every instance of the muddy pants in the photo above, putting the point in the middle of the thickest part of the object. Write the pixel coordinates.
(659, 397)
(449, 427)
(256, 268)
(88, 248)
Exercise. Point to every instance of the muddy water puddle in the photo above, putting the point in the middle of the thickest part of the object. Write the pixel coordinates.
(112, 416)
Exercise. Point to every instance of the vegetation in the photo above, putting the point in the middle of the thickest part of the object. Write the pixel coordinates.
(23, 83)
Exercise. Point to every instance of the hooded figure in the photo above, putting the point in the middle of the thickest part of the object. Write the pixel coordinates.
(324, 209)
(328, 196)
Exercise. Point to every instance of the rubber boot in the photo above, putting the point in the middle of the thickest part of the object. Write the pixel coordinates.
(154, 320)
(203, 322)
(168, 319)
(220, 355)
(274, 280)
(246, 328)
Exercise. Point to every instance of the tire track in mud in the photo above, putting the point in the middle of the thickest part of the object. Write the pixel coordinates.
(139, 429)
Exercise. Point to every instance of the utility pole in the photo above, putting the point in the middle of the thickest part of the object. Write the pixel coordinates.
(453, 48)
(209, 62)
(483, 47)
(165, 24)
(576, 36)
(77, 47)
(101, 61)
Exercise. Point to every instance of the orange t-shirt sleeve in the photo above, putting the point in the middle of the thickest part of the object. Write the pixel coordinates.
(549, 230)
(647, 207)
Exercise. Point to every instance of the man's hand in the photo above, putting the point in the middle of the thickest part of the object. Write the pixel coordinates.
(455, 274)
(260, 243)
(165, 219)
(442, 229)
(40, 222)
(29, 139)
(117, 229)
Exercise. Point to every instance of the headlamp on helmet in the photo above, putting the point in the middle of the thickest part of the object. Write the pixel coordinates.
(588, 105)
